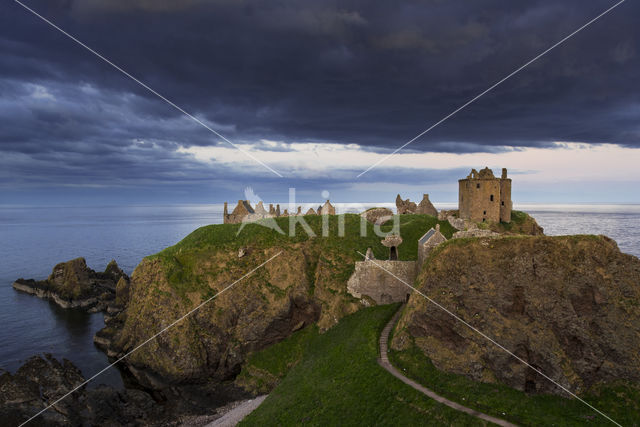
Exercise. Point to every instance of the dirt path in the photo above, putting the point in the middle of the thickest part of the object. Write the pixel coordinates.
(384, 362)
(236, 415)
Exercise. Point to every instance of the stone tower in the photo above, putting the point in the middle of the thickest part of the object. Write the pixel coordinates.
(484, 198)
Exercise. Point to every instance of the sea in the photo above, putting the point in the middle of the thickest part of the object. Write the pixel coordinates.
(34, 239)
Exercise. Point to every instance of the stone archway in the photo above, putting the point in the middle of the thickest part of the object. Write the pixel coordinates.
(392, 241)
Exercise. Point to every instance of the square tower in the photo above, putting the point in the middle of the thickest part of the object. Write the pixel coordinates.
(484, 198)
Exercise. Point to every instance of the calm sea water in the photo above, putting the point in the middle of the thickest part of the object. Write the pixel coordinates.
(35, 239)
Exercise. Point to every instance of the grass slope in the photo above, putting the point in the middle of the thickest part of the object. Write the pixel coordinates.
(336, 380)
(620, 402)
(182, 259)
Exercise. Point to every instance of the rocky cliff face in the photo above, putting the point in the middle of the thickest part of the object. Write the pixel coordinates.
(569, 306)
(73, 284)
(299, 287)
(42, 381)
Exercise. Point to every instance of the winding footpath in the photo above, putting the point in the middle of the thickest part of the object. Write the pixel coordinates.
(384, 362)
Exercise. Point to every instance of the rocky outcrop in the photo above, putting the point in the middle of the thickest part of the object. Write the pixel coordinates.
(72, 284)
(301, 286)
(567, 305)
(521, 223)
(474, 232)
(42, 381)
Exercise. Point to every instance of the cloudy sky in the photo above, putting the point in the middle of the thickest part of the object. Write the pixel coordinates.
(319, 91)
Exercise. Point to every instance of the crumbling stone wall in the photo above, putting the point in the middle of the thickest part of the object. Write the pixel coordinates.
(372, 281)
(425, 207)
(405, 206)
(244, 212)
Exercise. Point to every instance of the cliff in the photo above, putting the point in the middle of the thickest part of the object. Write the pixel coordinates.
(305, 284)
(73, 284)
(521, 223)
(569, 306)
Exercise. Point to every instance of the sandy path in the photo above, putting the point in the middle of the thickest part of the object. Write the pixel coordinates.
(236, 415)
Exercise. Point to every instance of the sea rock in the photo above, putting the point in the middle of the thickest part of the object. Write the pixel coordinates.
(567, 305)
(73, 284)
(41, 382)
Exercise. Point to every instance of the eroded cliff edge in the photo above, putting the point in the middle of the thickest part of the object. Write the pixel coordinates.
(305, 284)
(569, 306)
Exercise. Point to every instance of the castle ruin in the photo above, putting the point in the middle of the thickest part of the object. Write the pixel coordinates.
(244, 212)
(385, 281)
(484, 198)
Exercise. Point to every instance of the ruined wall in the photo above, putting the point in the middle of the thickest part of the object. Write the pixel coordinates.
(242, 210)
(370, 280)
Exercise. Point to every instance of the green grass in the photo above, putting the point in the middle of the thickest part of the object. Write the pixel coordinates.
(334, 379)
(181, 260)
(621, 402)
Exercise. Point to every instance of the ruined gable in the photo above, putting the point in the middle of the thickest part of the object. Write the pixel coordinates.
(426, 207)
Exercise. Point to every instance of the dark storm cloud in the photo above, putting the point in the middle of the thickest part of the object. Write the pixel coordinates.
(371, 73)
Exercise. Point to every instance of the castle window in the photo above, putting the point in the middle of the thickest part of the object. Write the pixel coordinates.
(477, 185)
(491, 198)
(503, 203)
(484, 212)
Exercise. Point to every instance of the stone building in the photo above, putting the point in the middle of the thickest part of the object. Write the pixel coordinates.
(244, 212)
(427, 242)
(484, 198)
(425, 207)
(327, 209)
(241, 211)
(385, 281)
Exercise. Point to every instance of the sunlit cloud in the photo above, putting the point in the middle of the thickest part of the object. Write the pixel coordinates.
(565, 161)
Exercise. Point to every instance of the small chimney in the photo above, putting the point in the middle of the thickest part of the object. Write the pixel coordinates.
(437, 227)
(504, 173)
